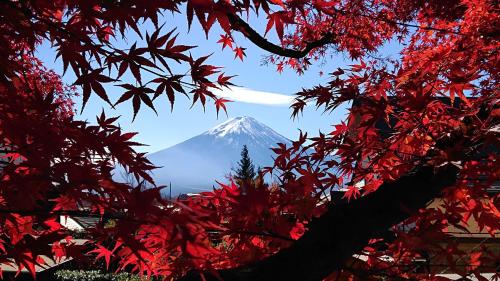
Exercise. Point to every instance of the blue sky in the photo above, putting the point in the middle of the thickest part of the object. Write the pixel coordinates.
(170, 128)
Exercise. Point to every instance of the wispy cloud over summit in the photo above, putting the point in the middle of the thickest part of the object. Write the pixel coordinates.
(242, 94)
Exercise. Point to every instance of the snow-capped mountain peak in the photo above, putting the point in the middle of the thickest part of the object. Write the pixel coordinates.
(246, 129)
(237, 125)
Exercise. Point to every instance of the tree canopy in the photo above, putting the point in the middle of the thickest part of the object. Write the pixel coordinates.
(438, 100)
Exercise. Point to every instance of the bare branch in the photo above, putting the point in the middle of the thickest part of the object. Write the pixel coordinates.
(240, 25)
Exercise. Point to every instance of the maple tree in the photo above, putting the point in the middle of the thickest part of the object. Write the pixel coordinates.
(421, 126)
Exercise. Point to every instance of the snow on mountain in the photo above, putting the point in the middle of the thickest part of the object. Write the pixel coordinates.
(195, 164)
(244, 125)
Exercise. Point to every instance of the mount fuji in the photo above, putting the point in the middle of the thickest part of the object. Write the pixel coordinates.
(195, 164)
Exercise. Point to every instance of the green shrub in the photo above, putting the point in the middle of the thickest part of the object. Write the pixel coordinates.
(94, 275)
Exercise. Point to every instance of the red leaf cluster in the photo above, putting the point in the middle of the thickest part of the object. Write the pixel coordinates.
(433, 104)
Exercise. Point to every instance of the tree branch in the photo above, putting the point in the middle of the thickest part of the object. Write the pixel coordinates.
(240, 25)
(345, 229)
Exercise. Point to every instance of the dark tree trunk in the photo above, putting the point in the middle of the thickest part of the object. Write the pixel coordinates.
(345, 229)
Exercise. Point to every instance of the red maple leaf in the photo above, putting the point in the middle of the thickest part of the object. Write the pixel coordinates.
(351, 192)
(221, 103)
(226, 40)
(239, 52)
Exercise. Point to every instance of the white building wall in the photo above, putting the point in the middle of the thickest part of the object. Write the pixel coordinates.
(70, 223)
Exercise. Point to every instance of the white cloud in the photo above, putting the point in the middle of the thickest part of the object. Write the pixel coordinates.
(252, 96)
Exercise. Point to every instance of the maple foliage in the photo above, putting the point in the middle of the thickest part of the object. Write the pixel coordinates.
(435, 105)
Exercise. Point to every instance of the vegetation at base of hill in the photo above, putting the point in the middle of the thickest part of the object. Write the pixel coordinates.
(95, 275)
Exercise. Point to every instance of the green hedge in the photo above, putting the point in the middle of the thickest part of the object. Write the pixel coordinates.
(94, 275)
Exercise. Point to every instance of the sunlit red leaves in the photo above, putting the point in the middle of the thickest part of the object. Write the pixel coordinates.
(13, 157)
(239, 52)
(16, 226)
(297, 231)
(103, 252)
(226, 40)
(65, 143)
(26, 260)
(199, 251)
(352, 193)
(58, 251)
(271, 222)
(65, 203)
(74, 148)
(321, 95)
(53, 155)
(279, 67)
(278, 20)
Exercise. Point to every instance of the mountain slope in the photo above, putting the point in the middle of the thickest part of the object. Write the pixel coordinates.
(195, 164)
